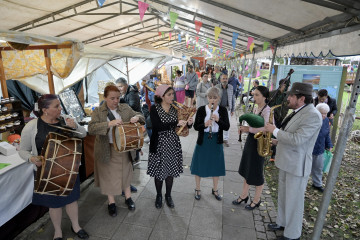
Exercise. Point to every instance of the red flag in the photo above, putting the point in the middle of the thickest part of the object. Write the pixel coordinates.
(198, 25)
(159, 34)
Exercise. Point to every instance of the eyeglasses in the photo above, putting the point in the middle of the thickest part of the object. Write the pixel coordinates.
(213, 98)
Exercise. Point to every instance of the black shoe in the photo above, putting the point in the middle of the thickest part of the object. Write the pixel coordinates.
(112, 210)
(275, 227)
(81, 233)
(158, 201)
(239, 200)
(130, 203)
(249, 207)
(169, 201)
(217, 196)
(285, 238)
(133, 189)
(320, 189)
(59, 238)
(197, 194)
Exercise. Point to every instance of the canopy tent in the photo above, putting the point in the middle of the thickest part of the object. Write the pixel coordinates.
(73, 63)
(117, 23)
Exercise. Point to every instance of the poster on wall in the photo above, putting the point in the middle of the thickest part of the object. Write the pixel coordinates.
(321, 77)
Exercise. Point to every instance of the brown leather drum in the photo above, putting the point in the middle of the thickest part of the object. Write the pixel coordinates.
(128, 137)
(60, 165)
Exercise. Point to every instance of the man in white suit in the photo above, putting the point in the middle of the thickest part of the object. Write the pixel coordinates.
(295, 141)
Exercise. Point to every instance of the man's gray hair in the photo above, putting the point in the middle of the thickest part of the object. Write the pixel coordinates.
(121, 81)
(213, 91)
(323, 107)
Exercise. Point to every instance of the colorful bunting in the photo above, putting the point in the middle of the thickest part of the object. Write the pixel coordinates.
(227, 52)
(208, 41)
(252, 47)
(142, 9)
(220, 43)
(187, 43)
(214, 48)
(187, 39)
(173, 18)
(235, 36)
(217, 31)
(159, 34)
(241, 55)
(265, 46)
(258, 74)
(179, 37)
(250, 41)
(197, 39)
(246, 67)
(162, 34)
(198, 25)
(101, 2)
(169, 36)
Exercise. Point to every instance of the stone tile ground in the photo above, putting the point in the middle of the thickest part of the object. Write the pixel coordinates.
(206, 219)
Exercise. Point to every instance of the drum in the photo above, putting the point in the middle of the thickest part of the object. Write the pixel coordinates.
(128, 137)
(61, 158)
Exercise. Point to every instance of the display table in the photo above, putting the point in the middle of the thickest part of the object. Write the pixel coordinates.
(16, 186)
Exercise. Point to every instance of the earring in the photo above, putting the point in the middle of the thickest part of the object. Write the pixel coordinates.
(45, 114)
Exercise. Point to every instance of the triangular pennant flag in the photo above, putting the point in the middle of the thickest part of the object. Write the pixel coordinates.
(273, 71)
(198, 25)
(235, 36)
(220, 43)
(214, 48)
(217, 31)
(187, 43)
(173, 18)
(187, 38)
(272, 49)
(207, 46)
(252, 47)
(162, 34)
(246, 67)
(258, 73)
(159, 34)
(179, 37)
(193, 47)
(241, 55)
(142, 9)
(197, 39)
(208, 41)
(227, 52)
(101, 2)
(250, 40)
(265, 46)
(169, 36)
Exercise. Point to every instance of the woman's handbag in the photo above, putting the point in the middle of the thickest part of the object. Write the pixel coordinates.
(327, 161)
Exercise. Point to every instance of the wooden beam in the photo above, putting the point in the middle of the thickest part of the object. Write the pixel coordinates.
(38, 47)
(3, 79)
(49, 73)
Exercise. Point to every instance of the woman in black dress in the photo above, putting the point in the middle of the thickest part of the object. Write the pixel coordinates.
(32, 140)
(252, 164)
(165, 158)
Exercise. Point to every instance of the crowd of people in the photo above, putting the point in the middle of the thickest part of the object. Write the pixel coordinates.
(215, 102)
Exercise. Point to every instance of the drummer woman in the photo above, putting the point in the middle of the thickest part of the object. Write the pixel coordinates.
(113, 170)
(32, 140)
(165, 157)
(252, 164)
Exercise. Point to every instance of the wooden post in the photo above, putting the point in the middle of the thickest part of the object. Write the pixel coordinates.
(49, 73)
(3, 79)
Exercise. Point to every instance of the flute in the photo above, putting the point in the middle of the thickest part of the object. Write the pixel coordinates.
(210, 127)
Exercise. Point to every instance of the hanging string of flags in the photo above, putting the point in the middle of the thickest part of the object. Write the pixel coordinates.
(217, 53)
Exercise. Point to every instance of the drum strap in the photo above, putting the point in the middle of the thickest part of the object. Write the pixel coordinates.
(110, 115)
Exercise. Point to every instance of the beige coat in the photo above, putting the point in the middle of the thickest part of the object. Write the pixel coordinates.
(99, 126)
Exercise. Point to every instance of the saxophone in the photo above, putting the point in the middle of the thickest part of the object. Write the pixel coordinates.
(264, 139)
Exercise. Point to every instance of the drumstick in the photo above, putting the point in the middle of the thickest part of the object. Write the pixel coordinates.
(65, 129)
(182, 127)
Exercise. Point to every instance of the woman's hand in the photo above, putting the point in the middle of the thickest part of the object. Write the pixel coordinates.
(134, 119)
(244, 129)
(70, 122)
(208, 123)
(36, 160)
(215, 118)
(182, 123)
(115, 122)
(190, 121)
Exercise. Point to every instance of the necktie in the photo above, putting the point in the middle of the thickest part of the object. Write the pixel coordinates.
(286, 120)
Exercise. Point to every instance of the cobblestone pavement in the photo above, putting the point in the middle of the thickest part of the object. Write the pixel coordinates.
(190, 219)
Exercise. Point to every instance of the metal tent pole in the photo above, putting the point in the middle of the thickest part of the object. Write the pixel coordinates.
(338, 155)
(271, 66)
(127, 70)
(251, 71)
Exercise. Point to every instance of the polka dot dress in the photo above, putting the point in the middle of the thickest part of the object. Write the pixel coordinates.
(167, 160)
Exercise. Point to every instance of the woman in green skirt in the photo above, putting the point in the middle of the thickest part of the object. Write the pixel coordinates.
(208, 159)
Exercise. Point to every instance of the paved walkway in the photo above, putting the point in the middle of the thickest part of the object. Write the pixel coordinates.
(190, 219)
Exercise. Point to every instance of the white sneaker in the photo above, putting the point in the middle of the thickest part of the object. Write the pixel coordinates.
(147, 139)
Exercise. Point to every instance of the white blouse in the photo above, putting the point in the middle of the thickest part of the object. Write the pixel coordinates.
(215, 126)
(117, 116)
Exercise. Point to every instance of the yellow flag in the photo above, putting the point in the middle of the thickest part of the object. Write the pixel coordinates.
(217, 31)
(252, 47)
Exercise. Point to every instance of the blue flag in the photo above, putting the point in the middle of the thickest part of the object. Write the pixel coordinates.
(179, 36)
(101, 2)
(235, 36)
(273, 71)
